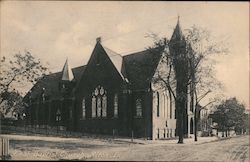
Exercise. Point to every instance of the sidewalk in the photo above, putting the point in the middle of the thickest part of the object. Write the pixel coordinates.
(172, 141)
(78, 135)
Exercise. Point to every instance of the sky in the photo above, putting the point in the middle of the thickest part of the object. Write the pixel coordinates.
(56, 30)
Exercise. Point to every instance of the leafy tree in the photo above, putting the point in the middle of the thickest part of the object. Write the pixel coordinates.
(190, 71)
(229, 114)
(12, 103)
(16, 73)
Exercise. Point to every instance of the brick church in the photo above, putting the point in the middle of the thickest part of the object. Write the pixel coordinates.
(110, 93)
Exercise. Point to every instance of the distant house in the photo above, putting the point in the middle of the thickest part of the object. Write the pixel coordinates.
(204, 123)
(111, 92)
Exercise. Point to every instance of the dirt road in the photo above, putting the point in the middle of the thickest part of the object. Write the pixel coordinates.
(55, 148)
(234, 149)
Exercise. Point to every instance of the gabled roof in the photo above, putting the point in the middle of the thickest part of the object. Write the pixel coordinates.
(141, 66)
(138, 68)
(51, 83)
(67, 74)
(116, 59)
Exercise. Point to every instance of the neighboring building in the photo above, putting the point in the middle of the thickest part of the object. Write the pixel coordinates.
(204, 123)
(111, 92)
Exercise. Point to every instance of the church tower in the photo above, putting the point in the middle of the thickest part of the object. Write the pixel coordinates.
(177, 47)
(177, 42)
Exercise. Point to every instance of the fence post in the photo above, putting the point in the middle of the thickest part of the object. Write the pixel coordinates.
(4, 149)
(113, 134)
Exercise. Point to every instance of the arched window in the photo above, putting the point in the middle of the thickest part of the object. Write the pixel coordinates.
(83, 108)
(191, 126)
(104, 106)
(99, 106)
(164, 103)
(99, 102)
(171, 108)
(93, 107)
(158, 104)
(138, 107)
(115, 105)
(58, 115)
(166, 98)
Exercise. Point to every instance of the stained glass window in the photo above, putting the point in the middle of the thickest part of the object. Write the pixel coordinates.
(99, 106)
(99, 102)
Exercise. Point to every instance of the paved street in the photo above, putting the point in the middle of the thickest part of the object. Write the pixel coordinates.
(56, 148)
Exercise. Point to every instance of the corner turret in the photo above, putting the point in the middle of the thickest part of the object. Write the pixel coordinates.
(67, 79)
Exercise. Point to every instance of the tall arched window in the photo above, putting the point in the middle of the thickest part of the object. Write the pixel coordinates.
(138, 107)
(99, 106)
(104, 106)
(115, 105)
(83, 108)
(93, 106)
(166, 98)
(170, 99)
(99, 102)
(158, 104)
(191, 126)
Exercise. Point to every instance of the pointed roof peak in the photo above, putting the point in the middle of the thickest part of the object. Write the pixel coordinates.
(177, 34)
(99, 40)
(67, 74)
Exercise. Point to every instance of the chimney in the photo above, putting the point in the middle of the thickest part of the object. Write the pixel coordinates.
(99, 40)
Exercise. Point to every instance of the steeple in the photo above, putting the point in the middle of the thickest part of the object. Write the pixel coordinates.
(67, 74)
(177, 34)
(177, 44)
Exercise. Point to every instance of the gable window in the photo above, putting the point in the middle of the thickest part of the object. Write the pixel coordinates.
(99, 102)
(138, 107)
(83, 108)
(116, 106)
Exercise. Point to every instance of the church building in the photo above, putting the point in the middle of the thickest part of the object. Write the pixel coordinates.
(111, 93)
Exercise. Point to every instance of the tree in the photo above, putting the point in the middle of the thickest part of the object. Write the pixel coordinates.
(230, 114)
(16, 73)
(190, 69)
(13, 103)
